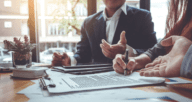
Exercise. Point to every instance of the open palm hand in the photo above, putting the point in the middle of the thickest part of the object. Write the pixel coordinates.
(168, 65)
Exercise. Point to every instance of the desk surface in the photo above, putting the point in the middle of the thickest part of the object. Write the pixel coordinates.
(9, 87)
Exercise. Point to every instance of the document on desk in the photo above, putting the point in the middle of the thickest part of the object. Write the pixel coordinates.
(111, 96)
(100, 81)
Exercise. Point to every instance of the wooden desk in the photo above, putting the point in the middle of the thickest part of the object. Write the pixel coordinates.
(9, 87)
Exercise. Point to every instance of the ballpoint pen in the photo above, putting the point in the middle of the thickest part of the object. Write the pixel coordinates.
(126, 61)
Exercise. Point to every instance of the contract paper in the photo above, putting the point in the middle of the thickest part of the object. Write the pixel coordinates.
(100, 81)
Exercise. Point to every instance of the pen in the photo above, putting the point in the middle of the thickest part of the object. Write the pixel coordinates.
(126, 61)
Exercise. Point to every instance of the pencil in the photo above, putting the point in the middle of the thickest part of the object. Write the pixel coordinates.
(126, 61)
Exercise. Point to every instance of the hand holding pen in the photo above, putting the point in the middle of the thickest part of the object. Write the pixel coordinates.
(121, 62)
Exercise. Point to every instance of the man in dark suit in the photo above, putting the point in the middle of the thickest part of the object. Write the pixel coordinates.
(103, 34)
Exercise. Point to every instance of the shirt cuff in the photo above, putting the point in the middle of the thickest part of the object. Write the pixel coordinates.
(186, 66)
(73, 61)
(132, 51)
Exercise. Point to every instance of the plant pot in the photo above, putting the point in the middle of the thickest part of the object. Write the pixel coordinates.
(21, 60)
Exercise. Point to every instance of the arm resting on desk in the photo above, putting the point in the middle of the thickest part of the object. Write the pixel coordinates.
(186, 66)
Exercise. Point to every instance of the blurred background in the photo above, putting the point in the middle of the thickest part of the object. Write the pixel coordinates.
(58, 23)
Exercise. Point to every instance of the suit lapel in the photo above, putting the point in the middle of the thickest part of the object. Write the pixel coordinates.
(100, 29)
(99, 33)
(123, 24)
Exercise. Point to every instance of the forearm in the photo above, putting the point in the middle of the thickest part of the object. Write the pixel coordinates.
(186, 69)
(142, 60)
(155, 51)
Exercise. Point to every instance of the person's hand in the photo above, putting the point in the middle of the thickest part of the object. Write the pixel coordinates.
(61, 59)
(119, 65)
(168, 65)
(110, 51)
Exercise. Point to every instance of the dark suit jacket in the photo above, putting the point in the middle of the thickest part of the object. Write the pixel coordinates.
(139, 34)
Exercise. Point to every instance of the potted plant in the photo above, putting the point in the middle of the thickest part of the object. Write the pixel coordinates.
(21, 56)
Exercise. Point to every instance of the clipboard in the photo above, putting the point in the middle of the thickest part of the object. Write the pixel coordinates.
(43, 84)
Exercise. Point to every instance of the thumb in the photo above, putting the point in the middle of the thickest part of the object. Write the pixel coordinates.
(123, 39)
(169, 41)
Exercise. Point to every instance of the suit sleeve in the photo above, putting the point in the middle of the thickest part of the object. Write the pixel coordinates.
(148, 35)
(83, 54)
(155, 51)
(186, 66)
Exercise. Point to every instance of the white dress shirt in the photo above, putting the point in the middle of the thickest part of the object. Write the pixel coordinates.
(111, 25)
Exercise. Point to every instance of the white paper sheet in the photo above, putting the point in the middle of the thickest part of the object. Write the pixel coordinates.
(86, 96)
(118, 96)
(176, 80)
(34, 89)
(100, 81)
(35, 94)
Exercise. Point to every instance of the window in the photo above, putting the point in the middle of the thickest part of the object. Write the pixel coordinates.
(13, 23)
(159, 10)
(80, 10)
(54, 29)
(7, 24)
(7, 3)
(59, 23)
(50, 8)
(24, 7)
(24, 29)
